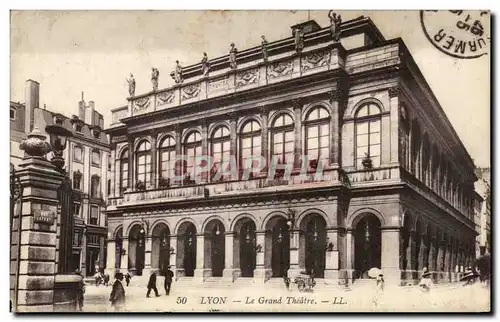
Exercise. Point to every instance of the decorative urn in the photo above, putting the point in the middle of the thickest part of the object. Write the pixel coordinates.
(35, 145)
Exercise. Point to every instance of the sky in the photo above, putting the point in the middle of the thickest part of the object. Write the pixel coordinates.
(68, 52)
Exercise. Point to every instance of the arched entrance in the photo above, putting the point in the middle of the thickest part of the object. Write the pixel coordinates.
(215, 247)
(136, 249)
(118, 248)
(245, 246)
(313, 245)
(186, 248)
(278, 246)
(367, 247)
(160, 248)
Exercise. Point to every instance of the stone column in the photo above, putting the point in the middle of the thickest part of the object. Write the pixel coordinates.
(154, 159)
(113, 170)
(432, 253)
(36, 237)
(179, 168)
(83, 253)
(422, 254)
(349, 255)
(199, 272)
(233, 143)
(111, 258)
(332, 257)
(131, 157)
(447, 262)
(297, 150)
(390, 258)
(294, 269)
(148, 243)
(441, 256)
(264, 114)
(173, 255)
(124, 260)
(228, 274)
(204, 149)
(394, 120)
(335, 101)
(410, 256)
(260, 270)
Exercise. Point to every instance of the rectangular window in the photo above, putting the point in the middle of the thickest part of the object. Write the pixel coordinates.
(78, 128)
(76, 209)
(368, 142)
(76, 238)
(96, 157)
(12, 114)
(94, 215)
(77, 153)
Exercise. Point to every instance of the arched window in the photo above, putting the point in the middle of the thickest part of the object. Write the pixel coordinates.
(317, 125)
(220, 148)
(282, 139)
(192, 149)
(143, 163)
(250, 142)
(95, 186)
(368, 135)
(167, 160)
(123, 171)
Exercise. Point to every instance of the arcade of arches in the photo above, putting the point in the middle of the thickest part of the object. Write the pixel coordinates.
(281, 247)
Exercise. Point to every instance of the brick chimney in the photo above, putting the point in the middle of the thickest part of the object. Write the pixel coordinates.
(32, 101)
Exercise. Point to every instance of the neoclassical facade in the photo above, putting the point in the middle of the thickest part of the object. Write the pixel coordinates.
(396, 190)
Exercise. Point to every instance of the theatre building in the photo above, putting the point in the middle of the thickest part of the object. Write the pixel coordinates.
(397, 189)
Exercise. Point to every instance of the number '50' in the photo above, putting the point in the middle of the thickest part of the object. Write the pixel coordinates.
(182, 300)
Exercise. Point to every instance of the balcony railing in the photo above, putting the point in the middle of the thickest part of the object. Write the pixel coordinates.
(251, 186)
(370, 175)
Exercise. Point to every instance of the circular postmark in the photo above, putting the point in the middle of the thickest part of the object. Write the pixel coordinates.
(458, 33)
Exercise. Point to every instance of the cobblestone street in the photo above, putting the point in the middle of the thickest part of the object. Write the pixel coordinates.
(448, 298)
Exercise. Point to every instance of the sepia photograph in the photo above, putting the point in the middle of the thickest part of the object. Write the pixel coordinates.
(250, 161)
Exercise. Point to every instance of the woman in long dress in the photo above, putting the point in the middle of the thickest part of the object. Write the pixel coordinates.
(117, 296)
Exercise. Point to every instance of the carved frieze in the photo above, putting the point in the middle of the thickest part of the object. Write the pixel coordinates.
(217, 84)
(191, 91)
(141, 105)
(165, 98)
(315, 59)
(280, 69)
(247, 77)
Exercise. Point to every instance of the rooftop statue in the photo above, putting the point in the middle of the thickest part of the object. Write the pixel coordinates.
(177, 73)
(131, 85)
(205, 64)
(264, 48)
(155, 74)
(232, 56)
(298, 35)
(335, 21)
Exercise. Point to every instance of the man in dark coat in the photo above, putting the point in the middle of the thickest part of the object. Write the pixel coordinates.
(128, 278)
(168, 280)
(117, 296)
(152, 284)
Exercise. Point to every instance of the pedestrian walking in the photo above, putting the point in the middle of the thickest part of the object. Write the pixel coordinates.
(152, 284)
(380, 283)
(117, 296)
(79, 292)
(128, 277)
(169, 275)
(106, 279)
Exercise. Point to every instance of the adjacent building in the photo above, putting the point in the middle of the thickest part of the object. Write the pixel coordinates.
(483, 211)
(396, 189)
(87, 164)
